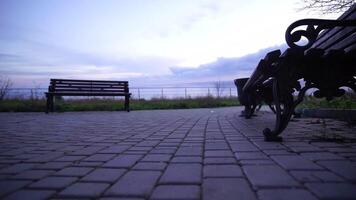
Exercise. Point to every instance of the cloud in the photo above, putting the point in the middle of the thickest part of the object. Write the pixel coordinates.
(223, 69)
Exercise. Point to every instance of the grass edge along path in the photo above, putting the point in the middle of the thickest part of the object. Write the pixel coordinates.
(97, 104)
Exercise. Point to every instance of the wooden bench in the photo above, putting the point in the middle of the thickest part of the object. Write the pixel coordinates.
(68, 87)
(325, 62)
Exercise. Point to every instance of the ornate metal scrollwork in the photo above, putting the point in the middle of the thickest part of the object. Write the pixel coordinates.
(314, 27)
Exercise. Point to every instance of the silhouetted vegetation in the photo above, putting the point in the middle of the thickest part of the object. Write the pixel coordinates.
(327, 6)
(347, 101)
(5, 84)
(96, 104)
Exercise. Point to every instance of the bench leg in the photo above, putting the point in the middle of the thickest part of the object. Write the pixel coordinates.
(47, 103)
(52, 103)
(127, 103)
(283, 115)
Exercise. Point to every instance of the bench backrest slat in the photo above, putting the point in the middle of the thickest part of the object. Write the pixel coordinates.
(88, 86)
(331, 38)
(346, 36)
(84, 81)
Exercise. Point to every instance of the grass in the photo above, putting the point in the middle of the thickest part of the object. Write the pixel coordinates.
(38, 105)
(347, 101)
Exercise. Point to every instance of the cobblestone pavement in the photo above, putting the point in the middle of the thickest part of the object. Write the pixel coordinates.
(205, 154)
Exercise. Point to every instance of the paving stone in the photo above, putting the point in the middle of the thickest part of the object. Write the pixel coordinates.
(176, 192)
(8, 186)
(187, 159)
(182, 174)
(282, 194)
(243, 146)
(69, 158)
(74, 171)
(268, 176)
(87, 151)
(315, 176)
(315, 156)
(163, 150)
(227, 188)
(222, 171)
(250, 155)
(160, 166)
(104, 175)
(219, 160)
(269, 145)
(140, 149)
(53, 182)
(189, 151)
(218, 153)
(33, 174)
(135, 184)
(17, 168)
(156, 158)
(87, 164)
(123, 161)
(343, 168)
(121, 198)
(295, 162)
(303, 149)
(53, 165)
(271, 152)
(46, 158)
(99, 157)
(86, 190)
(333, 190)
(30, 195)
(257, 162)
(115, 149)
(216, 146)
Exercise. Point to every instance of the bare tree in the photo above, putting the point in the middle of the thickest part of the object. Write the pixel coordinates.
(5, 84)
(327, 6)
(218, 88)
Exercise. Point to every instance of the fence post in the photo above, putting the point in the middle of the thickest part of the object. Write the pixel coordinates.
(208, 92)
(185, 92)
(230, 93)
(138, 92)
(162, 93)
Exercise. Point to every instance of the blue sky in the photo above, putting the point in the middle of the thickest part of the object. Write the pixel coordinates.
(143, 41)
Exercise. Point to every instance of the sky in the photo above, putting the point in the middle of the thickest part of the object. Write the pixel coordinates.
(147, 42)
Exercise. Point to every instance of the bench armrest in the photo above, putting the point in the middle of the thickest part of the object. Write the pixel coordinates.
(314, 27)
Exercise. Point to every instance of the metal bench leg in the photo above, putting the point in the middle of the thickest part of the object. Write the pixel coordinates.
(47, 103)
(127, 103)
(51, 99)
(283, 115)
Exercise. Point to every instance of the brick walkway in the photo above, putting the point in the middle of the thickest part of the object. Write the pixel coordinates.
(173, 154)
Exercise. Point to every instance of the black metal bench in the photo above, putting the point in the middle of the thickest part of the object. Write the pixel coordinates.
(254, 99)
(326, 62)
(68, 87)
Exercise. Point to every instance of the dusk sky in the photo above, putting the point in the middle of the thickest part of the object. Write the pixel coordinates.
(143, 41)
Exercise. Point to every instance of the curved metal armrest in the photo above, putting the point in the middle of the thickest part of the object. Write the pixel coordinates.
(314, 27)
